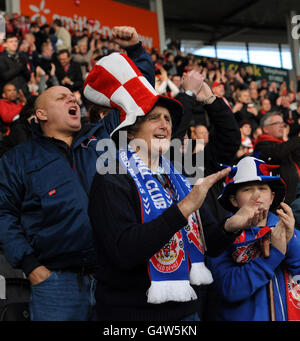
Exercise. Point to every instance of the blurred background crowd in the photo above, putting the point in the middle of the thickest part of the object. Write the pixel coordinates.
(35, 56)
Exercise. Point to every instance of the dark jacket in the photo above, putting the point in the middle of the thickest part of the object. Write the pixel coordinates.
(45, 63)
(124, 246)
(43, 200)
(74, 73)
(14, 70)
(195, 113)
(286, 155)
(20, 131)
(224, 141)
(243, 286)
(295, 205)
(245, 115)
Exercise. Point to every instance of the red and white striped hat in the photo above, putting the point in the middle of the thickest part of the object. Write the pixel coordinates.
(116, 82)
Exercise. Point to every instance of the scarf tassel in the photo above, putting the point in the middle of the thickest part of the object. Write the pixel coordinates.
(200, 274)
(164, 291)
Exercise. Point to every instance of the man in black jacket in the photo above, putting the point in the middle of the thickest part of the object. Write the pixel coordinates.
(224, 135)
(13, 66)
(68, 72)
(273, 149)
(244, 110)
(46, 57)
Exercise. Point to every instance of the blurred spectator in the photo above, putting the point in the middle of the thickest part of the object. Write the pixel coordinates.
(218, 89)
(40, 81)
(76, 36)
(63, 36)
(246, 147)
(256, 132)
(263, 85)
(200, 134)
(164, 85)
(46, 60)
(265, 107)
(13, 66)
(253, 85)
(169, 64)
(11, 104)
(23, 25)
(83, 56)
(45, 71)
(83, 110)
(246, 131)
(244, 110)
(41, 35)
(96, 113)
(293, 120)
(272, 147)
(68, 72)
(28, 50)
(283, 105)
(154, 57)
(272, 93)
(176, 79)
(11, 25)
(33, 85)
(254, 97)
(181, 61)
(20, 130)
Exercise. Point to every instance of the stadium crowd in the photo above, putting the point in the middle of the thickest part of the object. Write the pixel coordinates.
(237, 116)
(36, 56)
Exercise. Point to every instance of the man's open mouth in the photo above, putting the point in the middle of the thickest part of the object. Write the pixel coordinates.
(73, 111)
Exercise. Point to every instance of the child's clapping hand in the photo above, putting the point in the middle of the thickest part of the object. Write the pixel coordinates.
(287, 220)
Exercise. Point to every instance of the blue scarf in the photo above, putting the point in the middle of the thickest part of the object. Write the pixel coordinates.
(169, 269)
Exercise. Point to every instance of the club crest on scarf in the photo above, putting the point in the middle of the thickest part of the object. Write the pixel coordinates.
(247, 250)
(170, 257)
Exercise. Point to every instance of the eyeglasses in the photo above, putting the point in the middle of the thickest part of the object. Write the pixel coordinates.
(282, 124)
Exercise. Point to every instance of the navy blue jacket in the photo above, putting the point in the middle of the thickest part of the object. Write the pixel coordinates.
(44, 195)
(243, 286)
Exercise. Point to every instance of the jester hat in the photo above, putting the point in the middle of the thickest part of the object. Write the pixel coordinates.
(116, 82)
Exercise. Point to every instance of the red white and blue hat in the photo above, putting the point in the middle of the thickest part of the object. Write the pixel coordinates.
(250, 169)
(116, 82)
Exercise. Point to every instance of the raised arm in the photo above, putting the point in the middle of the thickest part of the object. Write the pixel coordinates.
(127, 37)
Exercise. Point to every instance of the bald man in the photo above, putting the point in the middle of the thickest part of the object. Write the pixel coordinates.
(58, 113)
(44, 189)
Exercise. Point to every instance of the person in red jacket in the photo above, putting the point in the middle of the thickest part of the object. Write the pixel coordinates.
(11, 104)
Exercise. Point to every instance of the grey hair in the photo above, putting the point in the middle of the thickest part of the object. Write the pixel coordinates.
(265, 120)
